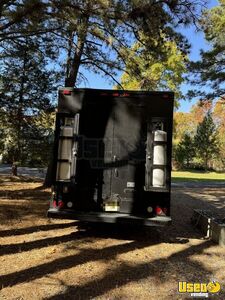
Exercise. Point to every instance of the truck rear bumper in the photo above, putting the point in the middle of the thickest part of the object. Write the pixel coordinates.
(117, 218)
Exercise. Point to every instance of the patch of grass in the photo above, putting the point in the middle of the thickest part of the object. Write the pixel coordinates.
(197, 176)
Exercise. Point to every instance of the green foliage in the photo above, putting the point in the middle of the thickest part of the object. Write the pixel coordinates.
(185, 151)
(197, 176)
(206, 140)
(155, 71)
(38, 140)
(103, 32)
(96, 34)
(35, 145)
(205, 123)
(214, 23)
(182, 124)
(25, 94)
(21, 18)
(210, 70)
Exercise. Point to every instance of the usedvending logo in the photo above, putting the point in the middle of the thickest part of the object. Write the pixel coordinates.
(199, 289)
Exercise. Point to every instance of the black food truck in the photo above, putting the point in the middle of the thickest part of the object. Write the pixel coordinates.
(112, 156)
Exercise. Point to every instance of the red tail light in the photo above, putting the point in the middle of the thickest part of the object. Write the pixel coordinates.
(67, 92)
(160, 211)
(60, 204)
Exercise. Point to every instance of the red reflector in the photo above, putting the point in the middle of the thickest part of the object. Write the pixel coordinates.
(158, 210)
(66, 92)
(54, 204)
(60, 204)
(104, 94)
(115, 94)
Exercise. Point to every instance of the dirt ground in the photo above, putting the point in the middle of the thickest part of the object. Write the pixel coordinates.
(56, 259)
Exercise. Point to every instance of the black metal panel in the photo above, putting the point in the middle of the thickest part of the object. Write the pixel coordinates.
(129, 137)
(126, 144)
(95, 138)
(70, 103)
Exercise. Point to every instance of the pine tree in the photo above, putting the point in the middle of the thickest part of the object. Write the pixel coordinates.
(185, 151)
(206, 140)
(20, 18)
(210, 69)
(162, 70)
(25, 91)
(97, 35)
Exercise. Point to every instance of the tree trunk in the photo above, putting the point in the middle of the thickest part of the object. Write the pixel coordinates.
(14, 169)
(206, 163)
(19, 117)
(188, 163)
(71, 75)
(74, 65)
(1, 8)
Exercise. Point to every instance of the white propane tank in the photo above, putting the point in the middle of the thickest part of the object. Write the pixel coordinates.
(65, 149)
(63, 171)
(159, 155)
(160, 136)
(158, 178)
(159, 158)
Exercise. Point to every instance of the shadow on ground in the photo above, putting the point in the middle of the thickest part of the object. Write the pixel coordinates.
(160, 269)
(178, 265)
